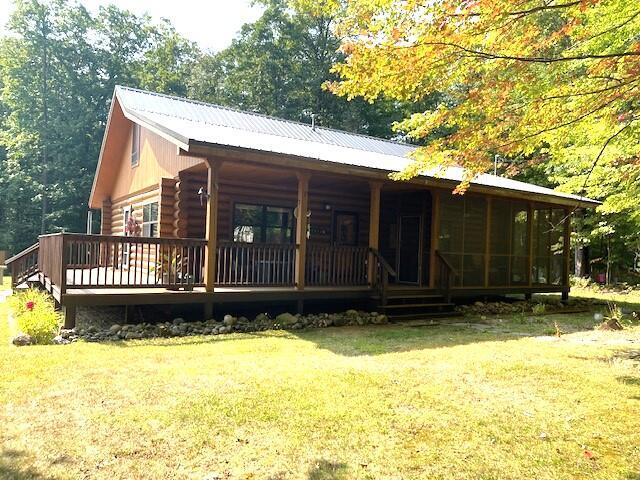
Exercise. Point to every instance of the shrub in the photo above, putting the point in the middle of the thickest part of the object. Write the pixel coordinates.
(539, 309)
(613, 319)
(35, 314)
(581, 282)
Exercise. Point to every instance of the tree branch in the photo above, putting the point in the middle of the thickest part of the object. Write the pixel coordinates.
(497, 56)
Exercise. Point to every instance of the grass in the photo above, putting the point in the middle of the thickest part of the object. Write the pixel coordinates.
(629, 300)
(388, 402)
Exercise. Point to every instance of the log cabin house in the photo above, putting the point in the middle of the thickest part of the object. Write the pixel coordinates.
(206, 204)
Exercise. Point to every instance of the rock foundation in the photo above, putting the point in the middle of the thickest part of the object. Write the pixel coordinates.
(528, 306)
(178, 327)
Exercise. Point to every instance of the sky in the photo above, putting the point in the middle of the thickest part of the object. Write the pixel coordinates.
(210, 23)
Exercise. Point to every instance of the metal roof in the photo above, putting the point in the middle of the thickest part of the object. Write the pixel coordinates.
(188, 121)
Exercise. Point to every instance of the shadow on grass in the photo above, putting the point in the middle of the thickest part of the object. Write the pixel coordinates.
(325, 470)
(629, 380)
(11, 467)
(371, 339)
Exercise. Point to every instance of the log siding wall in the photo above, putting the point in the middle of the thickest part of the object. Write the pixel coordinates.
(190, 215)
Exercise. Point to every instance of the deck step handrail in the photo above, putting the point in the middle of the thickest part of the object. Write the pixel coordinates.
(383, 270)
(23, 264)
(446, 274)
(253, 264)
(336, 265)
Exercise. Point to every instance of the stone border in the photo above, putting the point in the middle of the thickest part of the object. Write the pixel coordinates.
(178, 327)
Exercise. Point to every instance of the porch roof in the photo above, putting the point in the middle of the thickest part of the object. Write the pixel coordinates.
(189, 123)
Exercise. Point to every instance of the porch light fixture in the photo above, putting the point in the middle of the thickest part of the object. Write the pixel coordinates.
(327, 206)
(295, 213)
(202, 194)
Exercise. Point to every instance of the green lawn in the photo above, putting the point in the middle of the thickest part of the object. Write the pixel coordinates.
(382, 402)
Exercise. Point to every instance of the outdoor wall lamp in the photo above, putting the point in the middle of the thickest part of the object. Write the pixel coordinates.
(203, 194)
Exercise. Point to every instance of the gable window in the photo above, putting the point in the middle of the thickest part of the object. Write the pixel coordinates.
(150, 220)
(262, 224)
(135, 145)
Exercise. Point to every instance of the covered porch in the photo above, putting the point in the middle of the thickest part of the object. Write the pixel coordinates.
(244, 232)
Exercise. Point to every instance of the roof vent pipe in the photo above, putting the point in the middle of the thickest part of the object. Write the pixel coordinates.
(313, 122)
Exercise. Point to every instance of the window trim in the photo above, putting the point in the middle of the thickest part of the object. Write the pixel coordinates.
(156, 221)
(135, 145)
(263, 225)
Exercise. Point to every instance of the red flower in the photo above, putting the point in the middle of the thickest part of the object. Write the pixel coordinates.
(30, 306)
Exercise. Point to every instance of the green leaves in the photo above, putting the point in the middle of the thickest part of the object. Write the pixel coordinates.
(58, 69)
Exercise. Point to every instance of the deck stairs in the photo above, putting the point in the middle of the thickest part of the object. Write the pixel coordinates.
(413, 303)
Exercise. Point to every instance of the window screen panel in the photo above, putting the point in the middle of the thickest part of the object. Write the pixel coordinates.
(500, 235)
(499, 270)
(473, 270)
(475, 224)
(520, 230)
(451, 223)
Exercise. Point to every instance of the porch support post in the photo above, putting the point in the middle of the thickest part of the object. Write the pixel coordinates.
(302, 222)
(105, 217)
(566, 256)
(435, 233)
(530, 210)
(487, 242)
(213, 168)
(374, 227)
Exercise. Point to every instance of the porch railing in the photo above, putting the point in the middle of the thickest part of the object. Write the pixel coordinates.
(329, 265)
(252, 264)
(95, 261)
(70, 260)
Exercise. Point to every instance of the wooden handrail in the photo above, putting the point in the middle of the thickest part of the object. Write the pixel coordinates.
(23, 265)
(446, 273)
(446, 262)
(21, 254)
(383, 262)
(382, 273)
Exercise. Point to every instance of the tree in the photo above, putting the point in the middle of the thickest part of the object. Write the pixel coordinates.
(58, 70)
(518, 77)
(549, 85)
(277, 66)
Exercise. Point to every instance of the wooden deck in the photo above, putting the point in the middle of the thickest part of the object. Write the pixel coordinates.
(146, 296)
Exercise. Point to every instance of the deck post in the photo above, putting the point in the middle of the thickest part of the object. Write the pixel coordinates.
(530, 213)
(302, 222)
(487, 242)
(374, 228)
(69, 314)
(435, 232)
(213, 168)
(566, 255)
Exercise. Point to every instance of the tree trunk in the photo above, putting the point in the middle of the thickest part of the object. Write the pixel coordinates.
(580, 269)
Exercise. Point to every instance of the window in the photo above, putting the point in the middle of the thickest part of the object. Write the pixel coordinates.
(345, 228)
(135, 145)
(150, 220)
(262, 224)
